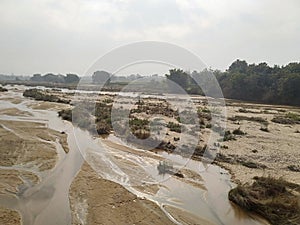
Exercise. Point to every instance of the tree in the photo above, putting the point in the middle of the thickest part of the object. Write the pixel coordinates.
(71, 78)
(180, 77)
(53, 78)
(254, 82)
(36, 77)
(239, 66)
(101, 77)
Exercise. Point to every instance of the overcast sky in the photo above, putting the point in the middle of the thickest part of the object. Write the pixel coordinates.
(39, 36)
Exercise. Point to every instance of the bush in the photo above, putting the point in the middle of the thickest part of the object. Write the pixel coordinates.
(138, 123)
(265, 129)
(167, 168)
(293, 116)
(65, 114)
(282, 120)
(253, 119)
(238, 132)
(289, 118)
(228, 136)
(2, 89)
(103, 127)
(174, 127)
(208, 125)
(294, 168)
(176, 138)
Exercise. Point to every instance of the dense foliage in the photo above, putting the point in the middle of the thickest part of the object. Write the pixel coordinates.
(248, 82)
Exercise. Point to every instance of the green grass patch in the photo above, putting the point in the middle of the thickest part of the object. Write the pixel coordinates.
(174, 127)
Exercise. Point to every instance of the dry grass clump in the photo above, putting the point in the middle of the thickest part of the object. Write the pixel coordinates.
(174, 127)
(2, 89)
(41, 95)
(228, 136)
(274, 199)
(294, 168)
(238, 131)
(253, 119)
(289, 118)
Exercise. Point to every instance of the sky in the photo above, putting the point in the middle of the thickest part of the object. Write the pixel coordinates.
(68, 36)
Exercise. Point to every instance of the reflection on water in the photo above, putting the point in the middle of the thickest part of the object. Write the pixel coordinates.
(48, 203)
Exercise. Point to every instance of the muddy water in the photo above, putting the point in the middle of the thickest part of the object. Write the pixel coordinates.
(47, 203)
(207, 200)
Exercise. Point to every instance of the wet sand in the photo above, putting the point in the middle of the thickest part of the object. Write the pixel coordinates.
(95, 200)
(186, 218)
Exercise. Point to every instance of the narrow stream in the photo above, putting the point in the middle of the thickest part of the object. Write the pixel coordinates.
(47, 203)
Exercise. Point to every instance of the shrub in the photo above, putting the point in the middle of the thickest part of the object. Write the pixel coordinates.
(174, 127)
(293, 116)
(243, 110)
(176, 138)
(103, 127)
(282, 120)
(108, 100)
(289, 118)
(265, 129)
(142, 133)
(294, 168)
(238, 132)
(205, 110)
(228, 136)
(138, 122)
(253, 119)
(2, 89)
(65, 114)
(208, 125)
(167, 168)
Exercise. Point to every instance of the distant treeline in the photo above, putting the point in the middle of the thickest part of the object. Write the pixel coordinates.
(98, 77)
(249, 82)
(241, 81)
(52, 78)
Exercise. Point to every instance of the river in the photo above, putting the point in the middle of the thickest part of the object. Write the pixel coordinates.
(47, 203)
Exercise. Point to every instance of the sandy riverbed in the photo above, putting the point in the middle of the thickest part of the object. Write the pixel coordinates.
(276, 149)
(36, 143)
